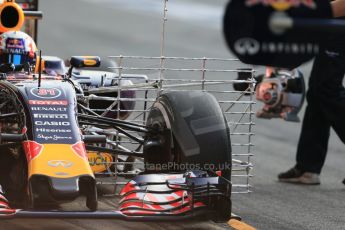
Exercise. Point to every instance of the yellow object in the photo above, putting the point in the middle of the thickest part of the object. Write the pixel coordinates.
(239, 225)
(90, 62)
(59, 161)
(281, 5)
(10, 10)
(37, 65)
(99, 161)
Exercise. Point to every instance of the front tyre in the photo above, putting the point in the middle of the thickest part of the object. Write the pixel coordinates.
(194, 134)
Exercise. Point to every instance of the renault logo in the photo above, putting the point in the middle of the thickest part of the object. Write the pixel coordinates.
(247, 46)
(60, 163)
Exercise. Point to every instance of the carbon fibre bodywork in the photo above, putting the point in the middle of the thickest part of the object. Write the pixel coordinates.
(53, 146)
(153, 197)
(58, 168)
(56, 125)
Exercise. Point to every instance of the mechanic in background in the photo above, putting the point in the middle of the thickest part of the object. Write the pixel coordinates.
(325, 109)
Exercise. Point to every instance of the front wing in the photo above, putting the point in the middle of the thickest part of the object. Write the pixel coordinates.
(153, 197)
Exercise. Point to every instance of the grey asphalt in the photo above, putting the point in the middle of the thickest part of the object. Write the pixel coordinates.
(106, 27)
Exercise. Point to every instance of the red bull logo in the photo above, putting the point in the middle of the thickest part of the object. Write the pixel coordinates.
(15, 44)
(282, 5)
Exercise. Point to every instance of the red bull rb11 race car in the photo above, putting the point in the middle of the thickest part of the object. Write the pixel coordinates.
(61, 127)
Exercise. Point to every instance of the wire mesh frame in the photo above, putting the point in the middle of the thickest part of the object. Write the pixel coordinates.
(178, 73)
(212, 75)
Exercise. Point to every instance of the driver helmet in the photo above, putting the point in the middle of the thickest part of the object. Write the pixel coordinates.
(17, 48)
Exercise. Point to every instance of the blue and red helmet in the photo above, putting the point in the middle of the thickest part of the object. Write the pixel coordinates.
(17, 48)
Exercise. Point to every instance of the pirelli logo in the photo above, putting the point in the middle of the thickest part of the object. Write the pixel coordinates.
(50, 116)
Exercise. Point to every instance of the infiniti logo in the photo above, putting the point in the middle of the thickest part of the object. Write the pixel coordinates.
(247, 46)
(251, 47)
(60, 163)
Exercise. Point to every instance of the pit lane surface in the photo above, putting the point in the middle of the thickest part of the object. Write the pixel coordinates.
(106, 27)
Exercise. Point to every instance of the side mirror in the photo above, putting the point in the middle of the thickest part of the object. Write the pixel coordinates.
(85, 61)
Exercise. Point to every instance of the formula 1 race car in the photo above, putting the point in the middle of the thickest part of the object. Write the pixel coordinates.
(58, 123)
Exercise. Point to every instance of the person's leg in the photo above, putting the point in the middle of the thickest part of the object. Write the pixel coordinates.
(313, 141)
(326, 108)
(332, 98)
